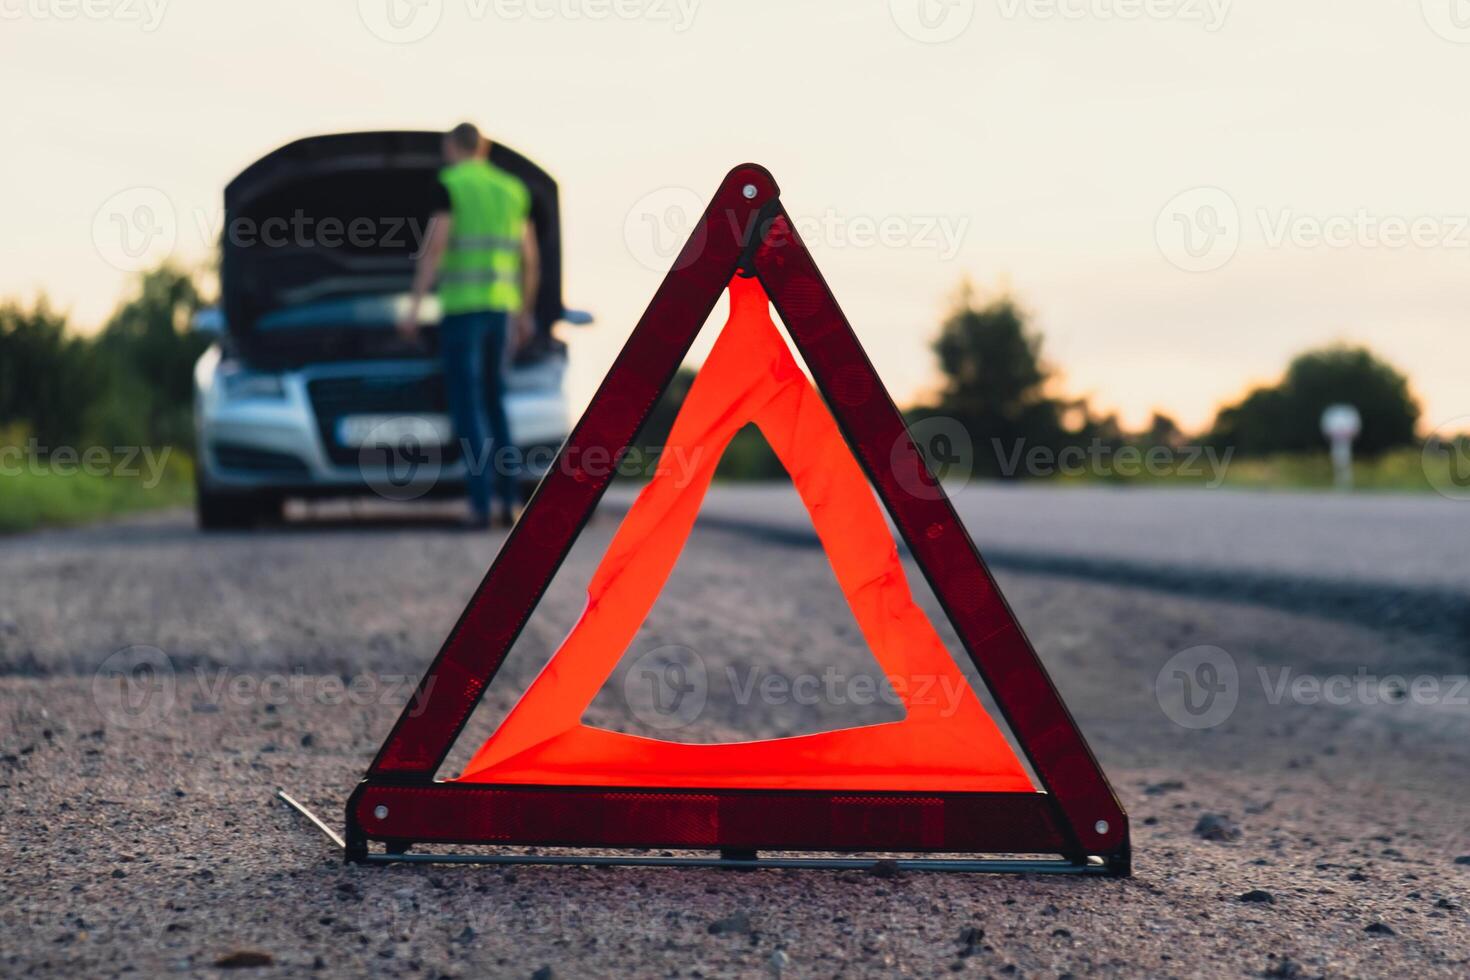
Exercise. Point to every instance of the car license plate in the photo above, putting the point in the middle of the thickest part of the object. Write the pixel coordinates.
(426, 428)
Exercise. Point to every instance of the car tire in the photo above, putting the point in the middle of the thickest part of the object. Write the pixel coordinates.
(224, 511)
(270, 509)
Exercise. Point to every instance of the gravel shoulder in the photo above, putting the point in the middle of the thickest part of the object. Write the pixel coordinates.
(149, 842)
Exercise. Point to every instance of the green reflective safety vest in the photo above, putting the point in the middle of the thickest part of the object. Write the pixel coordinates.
(481, 269)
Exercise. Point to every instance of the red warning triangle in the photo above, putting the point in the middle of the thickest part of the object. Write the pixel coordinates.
(943, 778)
(750, 376)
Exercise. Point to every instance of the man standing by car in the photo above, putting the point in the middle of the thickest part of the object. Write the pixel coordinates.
(481, 249)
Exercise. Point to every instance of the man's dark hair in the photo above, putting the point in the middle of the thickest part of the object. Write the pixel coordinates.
(466, 136)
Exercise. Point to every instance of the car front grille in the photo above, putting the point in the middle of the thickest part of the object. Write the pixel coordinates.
(264, 462)
(334, 398)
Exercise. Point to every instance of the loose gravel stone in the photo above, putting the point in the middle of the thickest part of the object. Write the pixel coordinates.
(1217, 827)
(244, 959)
(737, 923)
(885, 869)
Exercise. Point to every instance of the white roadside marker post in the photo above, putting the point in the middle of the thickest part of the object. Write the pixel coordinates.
(1341, 424)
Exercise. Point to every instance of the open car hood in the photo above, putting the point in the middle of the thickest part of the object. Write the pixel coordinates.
(341, 216)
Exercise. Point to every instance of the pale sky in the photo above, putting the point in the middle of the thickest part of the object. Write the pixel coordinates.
(1040, 144)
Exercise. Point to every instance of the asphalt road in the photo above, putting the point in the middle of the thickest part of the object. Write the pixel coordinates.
(142, 838)
(1394, 560)
(1406, 539)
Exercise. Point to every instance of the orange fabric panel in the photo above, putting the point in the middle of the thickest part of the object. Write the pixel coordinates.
(751, 376)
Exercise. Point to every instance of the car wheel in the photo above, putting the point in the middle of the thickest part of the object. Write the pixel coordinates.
(223, 511)
(270, 509)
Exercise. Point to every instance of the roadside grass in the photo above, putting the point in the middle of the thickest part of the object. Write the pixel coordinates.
(32, 496)
(1403, 470)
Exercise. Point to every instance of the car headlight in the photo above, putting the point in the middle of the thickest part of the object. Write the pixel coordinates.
(240, 385)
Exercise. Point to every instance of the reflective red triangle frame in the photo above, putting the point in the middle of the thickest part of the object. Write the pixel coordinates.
(1076, 815)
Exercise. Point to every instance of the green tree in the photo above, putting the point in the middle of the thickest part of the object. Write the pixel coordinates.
(47, 378)
(1286, 417)
(149, 353)
(1162, 431)
(995, 381)
(130, 385)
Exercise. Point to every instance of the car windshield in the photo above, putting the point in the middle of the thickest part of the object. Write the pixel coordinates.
(352, 311)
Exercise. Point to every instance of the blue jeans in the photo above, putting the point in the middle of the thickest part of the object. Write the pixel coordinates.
(472, 346)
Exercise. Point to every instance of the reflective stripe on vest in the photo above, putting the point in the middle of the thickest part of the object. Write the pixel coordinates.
(483, 241)
(482, 265)
(461, 277)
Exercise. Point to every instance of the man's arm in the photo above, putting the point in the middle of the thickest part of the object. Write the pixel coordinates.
(436, 240)
(525, 325)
